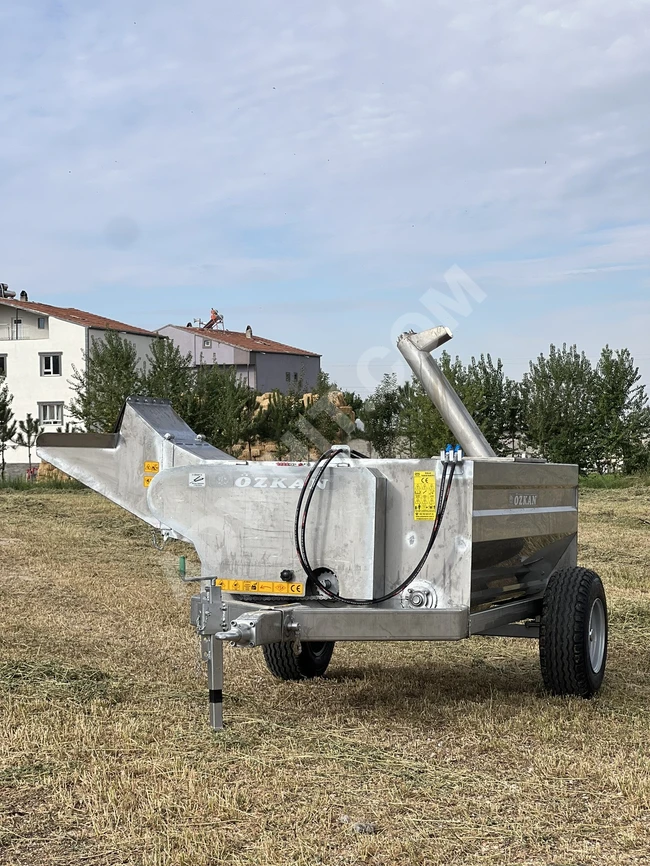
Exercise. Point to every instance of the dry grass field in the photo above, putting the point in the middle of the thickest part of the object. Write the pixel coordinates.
(405, 754)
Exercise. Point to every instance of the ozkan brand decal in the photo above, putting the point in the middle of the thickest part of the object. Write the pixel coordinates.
(523, 500)
(277, 483)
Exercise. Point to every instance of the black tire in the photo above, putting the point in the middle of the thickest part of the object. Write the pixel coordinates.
(311, 661)
(573, 633)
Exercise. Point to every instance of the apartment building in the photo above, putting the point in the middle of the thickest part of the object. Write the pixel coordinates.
(265, 365)
(39, 344)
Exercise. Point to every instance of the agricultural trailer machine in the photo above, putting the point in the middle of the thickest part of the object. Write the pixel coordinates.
(296, 556)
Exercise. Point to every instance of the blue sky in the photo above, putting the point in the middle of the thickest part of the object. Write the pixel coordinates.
(314, 169)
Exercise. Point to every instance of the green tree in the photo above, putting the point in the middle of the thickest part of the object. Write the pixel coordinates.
(221, 407)
(483, 388)
(110, 375)
(321, 421)
(168, 374)
(29, 430)
(487, 391)
(381, 416)
(354, 401)
(280, 417)
(7, 425)
(621, 427)
(413, 410)
(560, 406)
(324, 384)
(515, 399)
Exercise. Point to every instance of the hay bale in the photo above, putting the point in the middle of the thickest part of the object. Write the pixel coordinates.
(47, 472)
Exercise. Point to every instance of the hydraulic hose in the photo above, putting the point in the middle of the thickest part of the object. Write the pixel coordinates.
(300, 524)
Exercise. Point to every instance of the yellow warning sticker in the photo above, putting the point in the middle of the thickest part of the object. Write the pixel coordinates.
(151, 466)
(262, 587)
(424, 495)
(146, 481)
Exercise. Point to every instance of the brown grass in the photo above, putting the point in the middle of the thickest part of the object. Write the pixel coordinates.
(448, 753)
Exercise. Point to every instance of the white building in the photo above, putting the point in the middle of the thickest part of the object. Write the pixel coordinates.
(265, 365)
(39, 344)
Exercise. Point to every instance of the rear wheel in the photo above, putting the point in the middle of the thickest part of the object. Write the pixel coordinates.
(312, 660)
(573, 633)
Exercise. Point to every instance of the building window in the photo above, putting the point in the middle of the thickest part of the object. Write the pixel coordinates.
(287, 376)
(3, 365)
(295, 377)
(51, 365)
(207, 344)
(50, 413)
(42, 323)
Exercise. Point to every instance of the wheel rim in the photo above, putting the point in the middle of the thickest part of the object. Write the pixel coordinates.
(597, 635)
(316, 648)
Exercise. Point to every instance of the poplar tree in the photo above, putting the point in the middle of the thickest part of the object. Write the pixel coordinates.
(560, 416)
(621, 428)
(381, 416)
(168, 374)
(110, 375)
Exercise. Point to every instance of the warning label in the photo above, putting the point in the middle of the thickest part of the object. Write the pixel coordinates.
(147, 480)
(151, 466)
(424, 495)
(262, 587)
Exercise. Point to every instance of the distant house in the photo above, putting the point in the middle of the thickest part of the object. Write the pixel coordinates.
(39, 344)
(262, 363)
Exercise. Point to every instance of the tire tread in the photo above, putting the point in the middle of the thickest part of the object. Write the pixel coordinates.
(562, 651)
(284, 664)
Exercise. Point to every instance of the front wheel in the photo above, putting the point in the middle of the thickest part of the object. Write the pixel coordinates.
(312, 660)
(573, 633)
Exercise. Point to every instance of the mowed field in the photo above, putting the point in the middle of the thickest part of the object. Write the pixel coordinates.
(405, 754)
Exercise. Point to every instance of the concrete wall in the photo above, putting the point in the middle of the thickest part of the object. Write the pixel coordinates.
(18, 470)
(248, 374)
(272, 369)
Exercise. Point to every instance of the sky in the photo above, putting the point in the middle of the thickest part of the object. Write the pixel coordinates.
(331, 173)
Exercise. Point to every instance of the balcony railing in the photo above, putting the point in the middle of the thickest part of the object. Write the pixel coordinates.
(11, 332)
(20, 332)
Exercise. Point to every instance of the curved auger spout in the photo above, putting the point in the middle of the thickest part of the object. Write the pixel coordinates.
(416, 350)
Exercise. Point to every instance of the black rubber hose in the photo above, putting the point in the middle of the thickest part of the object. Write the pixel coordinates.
(319, 467)
(330, 454)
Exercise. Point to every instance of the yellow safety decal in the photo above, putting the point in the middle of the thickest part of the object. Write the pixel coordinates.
(424, 495)
(146, 481)
(262, 587)
(151, 466)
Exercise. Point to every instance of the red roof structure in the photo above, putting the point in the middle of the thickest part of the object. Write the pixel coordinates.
(77, 317)
(240, 340)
